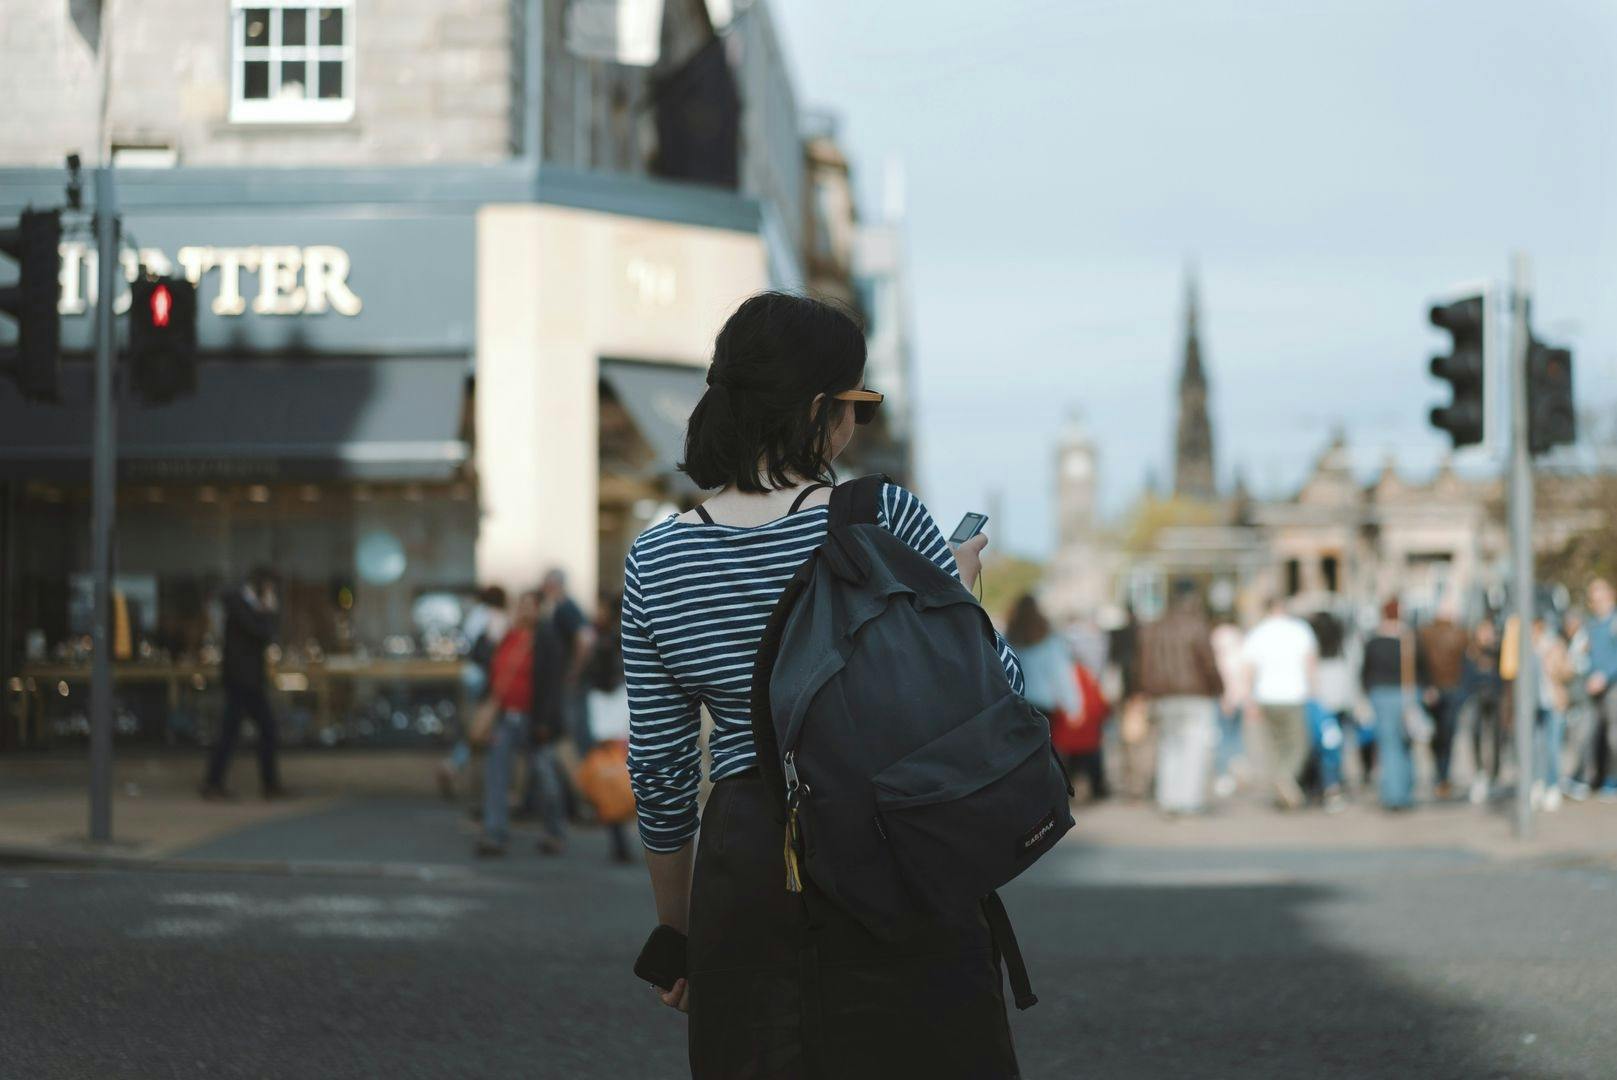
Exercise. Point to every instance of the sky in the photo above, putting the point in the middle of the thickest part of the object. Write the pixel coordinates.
(1329, 166)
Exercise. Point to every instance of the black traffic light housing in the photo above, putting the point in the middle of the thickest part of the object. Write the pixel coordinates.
(163, 338)
(34, 242)
(1464, 368)
(1552, 419)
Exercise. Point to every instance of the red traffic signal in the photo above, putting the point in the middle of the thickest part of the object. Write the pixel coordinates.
(162, 305)
(163, 338)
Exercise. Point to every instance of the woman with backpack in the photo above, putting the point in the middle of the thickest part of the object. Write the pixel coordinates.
(780, 983)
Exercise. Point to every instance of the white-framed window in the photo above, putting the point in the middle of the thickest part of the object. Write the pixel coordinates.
(291, 61)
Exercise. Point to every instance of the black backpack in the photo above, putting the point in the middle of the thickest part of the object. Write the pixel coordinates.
(914, 780)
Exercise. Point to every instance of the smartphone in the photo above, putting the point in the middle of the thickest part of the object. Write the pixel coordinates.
(662, 961)
(969, 526)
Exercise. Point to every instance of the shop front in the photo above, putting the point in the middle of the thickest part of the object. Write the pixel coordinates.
(328, 439)
(410, 387)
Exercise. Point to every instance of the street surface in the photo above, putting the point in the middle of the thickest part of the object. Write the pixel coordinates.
(1153, 957)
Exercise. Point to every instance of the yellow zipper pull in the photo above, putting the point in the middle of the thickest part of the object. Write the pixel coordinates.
(794, 879)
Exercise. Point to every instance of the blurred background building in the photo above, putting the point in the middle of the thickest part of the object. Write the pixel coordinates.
(1339, 542)
(459, 274)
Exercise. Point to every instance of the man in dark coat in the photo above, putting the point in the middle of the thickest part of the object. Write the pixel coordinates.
(251, 616)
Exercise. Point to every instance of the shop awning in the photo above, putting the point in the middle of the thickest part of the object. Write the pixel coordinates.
(388, 418)
(659, 398)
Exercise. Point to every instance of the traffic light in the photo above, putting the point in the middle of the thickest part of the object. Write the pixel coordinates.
(1551, 418)
(1464, 368)
(163, 338)
(34, 242)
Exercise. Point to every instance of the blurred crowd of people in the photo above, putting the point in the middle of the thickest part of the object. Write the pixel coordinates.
(1324, 708)
(549, 702)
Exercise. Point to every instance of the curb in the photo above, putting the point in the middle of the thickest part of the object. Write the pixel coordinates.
(61, 858)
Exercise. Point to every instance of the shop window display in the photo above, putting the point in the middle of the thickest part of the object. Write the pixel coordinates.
(373, 593)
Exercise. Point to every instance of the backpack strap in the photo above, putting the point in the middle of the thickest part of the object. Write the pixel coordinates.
(999, 927)
(701, 512)
(857, 501)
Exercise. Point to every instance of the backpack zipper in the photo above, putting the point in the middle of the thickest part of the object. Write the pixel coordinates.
(794, 787)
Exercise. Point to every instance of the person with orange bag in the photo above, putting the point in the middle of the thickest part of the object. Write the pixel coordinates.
(602, 776)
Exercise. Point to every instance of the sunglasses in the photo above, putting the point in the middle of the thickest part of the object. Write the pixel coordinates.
(865, 403)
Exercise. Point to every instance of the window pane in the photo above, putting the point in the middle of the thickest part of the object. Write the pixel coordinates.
(294, 73)
(331, 78)
(255, 26)
(330, 27)
(295, 26)
(255, 79)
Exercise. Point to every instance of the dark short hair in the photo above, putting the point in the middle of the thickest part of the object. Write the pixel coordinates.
(493, 596)
(260, 576)
(774, 355)
(1027, 624)
(1330, 634)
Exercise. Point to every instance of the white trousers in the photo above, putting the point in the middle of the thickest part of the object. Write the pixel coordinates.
(1187, 738)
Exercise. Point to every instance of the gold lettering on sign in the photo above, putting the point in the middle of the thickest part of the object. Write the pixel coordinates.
(323, 270)
(70, 280)
(195, 261)
(278, 290)
(231, 262)
(325, 276)
(654, 284)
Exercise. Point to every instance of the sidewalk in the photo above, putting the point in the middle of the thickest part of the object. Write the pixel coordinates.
(375, 807)
(1578, 830)
(156, 812)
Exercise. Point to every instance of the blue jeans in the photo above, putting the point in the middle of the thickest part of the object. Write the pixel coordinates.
(1397, 768)
(1548, 734)
(1445, 722)
(509, 738)
(1325, 730)
(1229, 740)
(549, 788)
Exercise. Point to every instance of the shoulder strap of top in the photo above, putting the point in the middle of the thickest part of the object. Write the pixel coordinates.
(797, 503)
(701, 512)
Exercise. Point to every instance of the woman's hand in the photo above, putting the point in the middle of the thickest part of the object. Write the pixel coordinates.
(968, 557)
(675, 998)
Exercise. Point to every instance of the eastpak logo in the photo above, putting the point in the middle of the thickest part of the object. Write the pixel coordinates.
(1039, 832)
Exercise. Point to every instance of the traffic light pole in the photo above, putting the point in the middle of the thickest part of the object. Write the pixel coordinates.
(1521, 546)
(103, 495)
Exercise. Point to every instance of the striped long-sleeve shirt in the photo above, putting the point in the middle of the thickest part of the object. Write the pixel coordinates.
(695, 601)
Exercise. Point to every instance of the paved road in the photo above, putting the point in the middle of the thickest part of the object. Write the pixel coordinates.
(1149, 963)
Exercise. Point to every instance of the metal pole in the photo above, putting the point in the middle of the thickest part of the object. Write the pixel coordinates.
(1521, 544)
(103, 494)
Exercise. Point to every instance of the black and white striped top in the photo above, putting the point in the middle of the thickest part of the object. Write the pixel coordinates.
(695, 601)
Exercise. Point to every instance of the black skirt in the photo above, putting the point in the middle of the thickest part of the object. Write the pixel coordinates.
(785, 985)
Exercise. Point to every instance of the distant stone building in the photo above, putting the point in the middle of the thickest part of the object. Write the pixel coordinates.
(1338, 543)
(1080, 578)
(1193, 475)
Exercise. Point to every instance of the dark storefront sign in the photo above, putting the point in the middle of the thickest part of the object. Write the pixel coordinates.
(290, 280)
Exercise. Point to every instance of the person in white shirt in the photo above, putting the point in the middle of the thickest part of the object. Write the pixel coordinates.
(1282, 657)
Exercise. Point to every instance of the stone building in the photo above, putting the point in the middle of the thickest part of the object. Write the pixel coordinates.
(1341, 541)
(458, 272)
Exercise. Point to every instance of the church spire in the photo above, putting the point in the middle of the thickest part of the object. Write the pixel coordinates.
(1193, 443)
